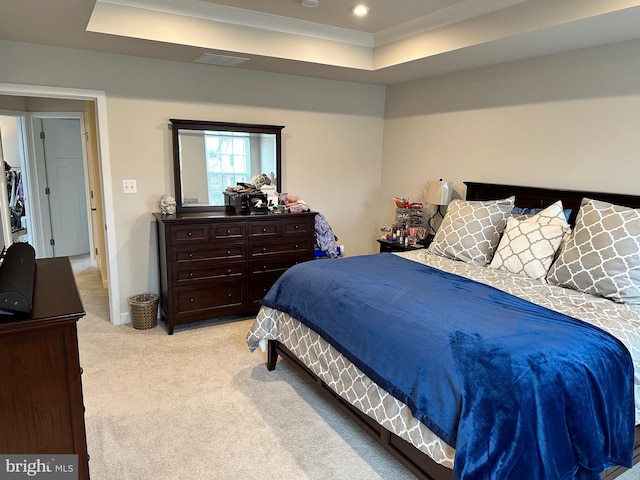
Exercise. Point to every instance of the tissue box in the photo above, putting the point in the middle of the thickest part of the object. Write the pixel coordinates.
(258, 204)
(271, 193)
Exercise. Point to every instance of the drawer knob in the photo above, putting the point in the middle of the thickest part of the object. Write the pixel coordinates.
(189, 234)
(297, 246)
(264, 229)
(264, 249)
(190, 255)
(190, 274)
(229, 271)
(230, 295)
(81, 370)
(264, 267)
(228, 253)
(192, 300)
(228, 232)
(297, 227)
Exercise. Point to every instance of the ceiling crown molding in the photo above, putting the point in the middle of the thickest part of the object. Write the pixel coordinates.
(457, 12)
(249, 18)
(468, 34)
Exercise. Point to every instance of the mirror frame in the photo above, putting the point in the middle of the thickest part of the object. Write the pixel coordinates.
(177, 125)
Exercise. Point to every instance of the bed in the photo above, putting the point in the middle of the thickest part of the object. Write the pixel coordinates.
(560, 392)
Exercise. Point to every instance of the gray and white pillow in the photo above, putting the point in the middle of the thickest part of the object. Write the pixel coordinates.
(602, 256)
(470, 230)
(529, 245)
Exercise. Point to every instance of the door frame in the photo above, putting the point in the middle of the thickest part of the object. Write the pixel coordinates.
(100, 99)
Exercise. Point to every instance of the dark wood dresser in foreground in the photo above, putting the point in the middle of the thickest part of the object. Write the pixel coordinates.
(216, 264)
(41, 405)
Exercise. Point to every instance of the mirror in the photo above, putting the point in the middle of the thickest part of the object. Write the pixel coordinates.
(208, 157)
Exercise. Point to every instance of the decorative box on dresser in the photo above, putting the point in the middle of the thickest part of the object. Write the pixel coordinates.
(216, 264)
(41, 405)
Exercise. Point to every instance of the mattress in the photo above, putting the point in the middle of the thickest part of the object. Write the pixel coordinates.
(620, 320)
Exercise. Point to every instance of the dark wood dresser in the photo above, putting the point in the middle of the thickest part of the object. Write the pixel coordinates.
(41, 406)
(216, 264)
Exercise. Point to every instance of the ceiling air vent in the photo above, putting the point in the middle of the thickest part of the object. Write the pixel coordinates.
(223, 60)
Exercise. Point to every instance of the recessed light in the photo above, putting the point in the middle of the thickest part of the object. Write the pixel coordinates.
(309, 3)
(360, 10)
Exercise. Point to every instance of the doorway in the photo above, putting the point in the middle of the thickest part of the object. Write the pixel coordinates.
(97, 99)
(47, 189)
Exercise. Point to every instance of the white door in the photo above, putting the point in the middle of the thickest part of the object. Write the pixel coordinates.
(64, 170)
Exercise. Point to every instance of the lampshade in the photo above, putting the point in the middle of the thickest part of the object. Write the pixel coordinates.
(437, 192)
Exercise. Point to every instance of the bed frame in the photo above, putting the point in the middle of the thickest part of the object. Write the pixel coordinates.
(418, 463)
(533, 197)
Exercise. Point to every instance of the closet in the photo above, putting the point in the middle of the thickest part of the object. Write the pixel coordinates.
(15, 198)
(12, 201)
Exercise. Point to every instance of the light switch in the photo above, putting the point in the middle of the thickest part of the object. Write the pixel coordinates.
(129, 186)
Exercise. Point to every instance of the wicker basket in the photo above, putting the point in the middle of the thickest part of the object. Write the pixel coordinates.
(144, 310)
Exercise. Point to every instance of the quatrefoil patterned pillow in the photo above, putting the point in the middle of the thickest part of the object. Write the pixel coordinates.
(470, 230)
(602, 257)
(529, 245)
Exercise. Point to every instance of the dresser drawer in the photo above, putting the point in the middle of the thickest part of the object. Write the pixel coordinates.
(263, 274)
(267, 266)
(208, 254)
(301, 246)
(265, 228)
(195, 233)
(301, 225)
(259, 287)
(212, 297)
(193, 273)
(229, 231)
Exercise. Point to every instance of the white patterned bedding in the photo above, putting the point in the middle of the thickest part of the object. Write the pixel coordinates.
(620, 320)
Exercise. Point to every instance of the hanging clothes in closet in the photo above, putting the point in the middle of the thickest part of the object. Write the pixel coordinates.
(15, 192)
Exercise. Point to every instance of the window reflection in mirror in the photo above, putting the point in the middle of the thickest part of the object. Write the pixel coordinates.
(210, 156)
(230, 158)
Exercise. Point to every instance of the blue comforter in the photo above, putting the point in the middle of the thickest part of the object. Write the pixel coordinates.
(520, 391)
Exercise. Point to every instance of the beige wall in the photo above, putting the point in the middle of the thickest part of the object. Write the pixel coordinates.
(570, 120)
(332, 141)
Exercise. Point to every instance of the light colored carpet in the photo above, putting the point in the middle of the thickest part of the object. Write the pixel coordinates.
(198, 405)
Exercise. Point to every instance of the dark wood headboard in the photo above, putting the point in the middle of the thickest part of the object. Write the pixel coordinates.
(534, 197)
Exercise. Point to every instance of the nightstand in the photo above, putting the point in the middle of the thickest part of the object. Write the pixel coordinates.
(387, 246)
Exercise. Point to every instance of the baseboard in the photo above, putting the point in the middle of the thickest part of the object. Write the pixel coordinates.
(124, 318)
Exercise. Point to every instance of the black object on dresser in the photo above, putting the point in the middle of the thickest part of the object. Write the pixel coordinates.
(41, 405)
(16, 278)
(388, 246)
(217, 264)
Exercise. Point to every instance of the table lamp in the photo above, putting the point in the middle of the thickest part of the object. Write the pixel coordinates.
(437, 192)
